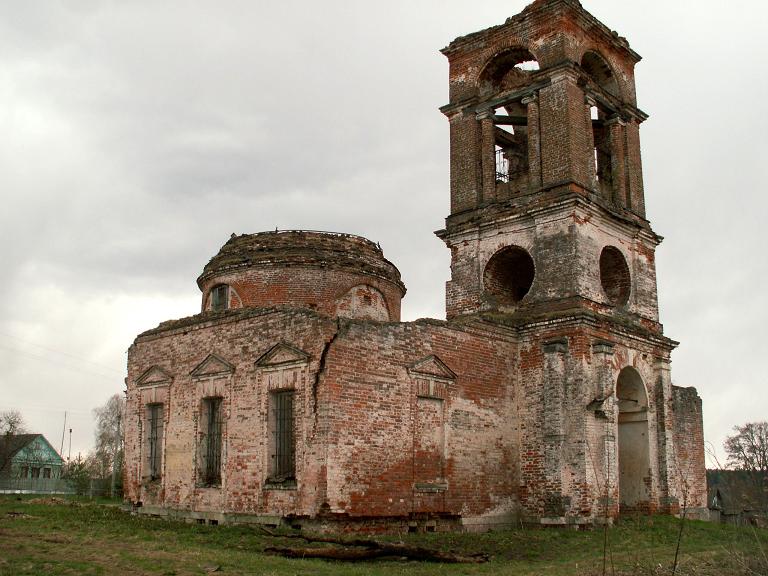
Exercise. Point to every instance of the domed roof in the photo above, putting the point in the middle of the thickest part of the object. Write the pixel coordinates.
(304, 248)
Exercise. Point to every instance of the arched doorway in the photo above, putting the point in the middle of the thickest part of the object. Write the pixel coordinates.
(634, 457)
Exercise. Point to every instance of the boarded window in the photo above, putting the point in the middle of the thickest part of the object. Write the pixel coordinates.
(46, 472)
(210, 442)
(154, 440)
(35, 472)
(24, 472)
(283, 444)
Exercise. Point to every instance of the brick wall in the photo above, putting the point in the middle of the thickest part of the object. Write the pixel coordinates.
(689, 444)
(360, 422)
(332, 292)
(379, 427)
(240, 338)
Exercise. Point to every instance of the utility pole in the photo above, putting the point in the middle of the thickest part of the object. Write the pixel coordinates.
(69, 453)
(63, 431)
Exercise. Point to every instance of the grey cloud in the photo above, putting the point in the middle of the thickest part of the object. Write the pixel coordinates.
(138, 135)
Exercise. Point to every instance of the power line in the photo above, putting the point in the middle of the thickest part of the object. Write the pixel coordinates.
(59, 362)
(45, 409)
(16, 338)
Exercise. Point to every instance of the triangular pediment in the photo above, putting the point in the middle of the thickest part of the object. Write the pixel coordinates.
(213, 365)
(280, 354)
(154, 375)
(432, 366)
(39, 450)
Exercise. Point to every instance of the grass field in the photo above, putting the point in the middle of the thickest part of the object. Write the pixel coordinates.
(44, 536)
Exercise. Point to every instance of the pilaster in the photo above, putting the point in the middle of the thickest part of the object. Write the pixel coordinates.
(534, 141)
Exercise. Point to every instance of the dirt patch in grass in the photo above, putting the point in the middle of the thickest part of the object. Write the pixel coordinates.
(17, 515)
(53, 501)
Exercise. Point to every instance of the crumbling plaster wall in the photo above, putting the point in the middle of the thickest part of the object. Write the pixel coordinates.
(240, 341)
(565, 244)
(358, 425)
(372, 391)
(569, 421)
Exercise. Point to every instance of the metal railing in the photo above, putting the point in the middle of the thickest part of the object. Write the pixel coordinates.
(502, 166)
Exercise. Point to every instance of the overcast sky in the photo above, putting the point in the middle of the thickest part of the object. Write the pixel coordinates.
(135, 137)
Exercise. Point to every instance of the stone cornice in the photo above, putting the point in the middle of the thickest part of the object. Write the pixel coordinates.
(497, 215)
(570, 319)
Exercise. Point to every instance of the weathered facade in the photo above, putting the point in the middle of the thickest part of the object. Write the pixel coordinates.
(298, 396)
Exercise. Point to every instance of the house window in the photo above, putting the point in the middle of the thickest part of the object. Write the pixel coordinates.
(35, 472)
(283, 445)
(24, 472)
(46, 472)
(220, 297)
(210, 445)
(155, 439)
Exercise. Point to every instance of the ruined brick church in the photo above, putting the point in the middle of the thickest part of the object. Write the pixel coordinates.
(297, 396)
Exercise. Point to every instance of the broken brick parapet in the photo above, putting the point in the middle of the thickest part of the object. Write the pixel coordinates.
(689, 447)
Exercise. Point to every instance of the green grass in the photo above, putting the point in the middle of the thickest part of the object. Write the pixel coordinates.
(84, 537)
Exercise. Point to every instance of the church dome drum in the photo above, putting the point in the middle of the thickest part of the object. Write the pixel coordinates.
(335, 274)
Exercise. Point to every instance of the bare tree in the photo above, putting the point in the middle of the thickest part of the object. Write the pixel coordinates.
(108, 454)
(748, 451)
(748, 448)
(11, 424)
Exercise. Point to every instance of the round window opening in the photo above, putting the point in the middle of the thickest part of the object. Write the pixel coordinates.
(614, 276)
(509, 275)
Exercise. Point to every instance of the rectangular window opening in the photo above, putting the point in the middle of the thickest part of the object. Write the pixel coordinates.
(220, 297)
(155, 439)
(510, 128)
(284, 461)
(211, 442)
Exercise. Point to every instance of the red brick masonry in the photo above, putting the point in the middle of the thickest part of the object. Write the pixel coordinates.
(545, 397)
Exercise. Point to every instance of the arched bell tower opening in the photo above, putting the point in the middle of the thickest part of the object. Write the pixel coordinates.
(601, 80)
(506, 137)
(634, 447)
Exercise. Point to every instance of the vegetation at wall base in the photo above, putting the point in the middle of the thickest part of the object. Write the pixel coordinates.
(53, 535)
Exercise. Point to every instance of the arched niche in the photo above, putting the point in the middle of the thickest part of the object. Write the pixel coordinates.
(633, 442)
(508, 276)
(615, 278)
(363, 302)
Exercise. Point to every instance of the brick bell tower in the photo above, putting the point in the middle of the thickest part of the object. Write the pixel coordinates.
(548, 237)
